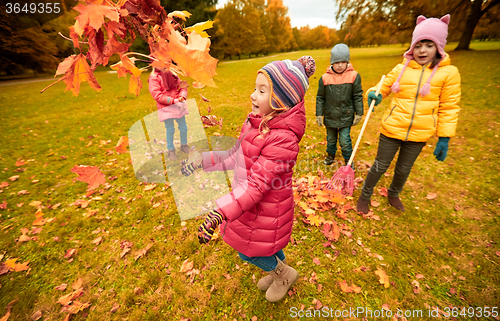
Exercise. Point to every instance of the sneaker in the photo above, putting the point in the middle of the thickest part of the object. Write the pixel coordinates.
(185, 149)
(171, 154)
(329, 159)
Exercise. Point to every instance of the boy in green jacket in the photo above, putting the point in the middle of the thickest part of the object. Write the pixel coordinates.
(339, 103)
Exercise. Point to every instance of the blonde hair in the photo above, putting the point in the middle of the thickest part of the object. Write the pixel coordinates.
(263, 127)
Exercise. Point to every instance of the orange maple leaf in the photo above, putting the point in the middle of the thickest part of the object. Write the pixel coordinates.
(200, 28)
(93, 15)
(18, 267)
(126, 65)
(121, 146)
(331, 231)
(195, 60)
(90, 175)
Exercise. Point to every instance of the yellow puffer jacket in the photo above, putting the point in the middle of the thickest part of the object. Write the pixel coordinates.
(411, 117)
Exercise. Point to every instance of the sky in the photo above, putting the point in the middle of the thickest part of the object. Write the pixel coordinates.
(307, 12)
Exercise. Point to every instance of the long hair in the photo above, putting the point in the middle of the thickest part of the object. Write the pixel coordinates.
(263, 127)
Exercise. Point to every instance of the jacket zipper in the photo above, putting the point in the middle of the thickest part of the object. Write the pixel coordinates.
(248, 120)
(415, 103)
(390, 113)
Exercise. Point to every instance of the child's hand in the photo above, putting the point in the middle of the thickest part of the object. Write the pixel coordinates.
(356, 120)
(188, 168)
(181, 99)
(441, 148)
(372, 96)
(319, 120)
(176, 100)
(207, 228)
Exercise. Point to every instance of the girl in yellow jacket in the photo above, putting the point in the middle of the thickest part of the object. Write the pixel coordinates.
(427, 94)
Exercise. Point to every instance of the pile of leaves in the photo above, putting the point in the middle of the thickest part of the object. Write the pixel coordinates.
(105, 28)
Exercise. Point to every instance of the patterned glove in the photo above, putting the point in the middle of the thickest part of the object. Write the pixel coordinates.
(188, 169)
(441, 148)
(372, 96)
(356, 120)
(206, 230)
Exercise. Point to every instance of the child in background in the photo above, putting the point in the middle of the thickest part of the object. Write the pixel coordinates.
(339, 103)
(257, 216)
(170, 94)
(417, 111)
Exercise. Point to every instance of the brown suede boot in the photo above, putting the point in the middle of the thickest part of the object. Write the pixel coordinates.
(284, 277)
(396, 203)
(362, 205)
(185, 149)
(265, 282)
(171, 154)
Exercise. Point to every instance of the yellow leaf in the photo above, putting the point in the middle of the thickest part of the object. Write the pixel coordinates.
(81, 73)
(310, 212)
(126, 66)
(200, 28)
(135, 85)
(315, 220)
(180, 14)
(384, 279)
(121, 146)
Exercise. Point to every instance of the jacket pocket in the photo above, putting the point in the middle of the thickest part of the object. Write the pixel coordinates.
(390, 113)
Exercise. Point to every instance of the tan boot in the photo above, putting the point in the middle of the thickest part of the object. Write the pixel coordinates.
(266, 281)
(284, 277)
(171, 154)
(185, 149)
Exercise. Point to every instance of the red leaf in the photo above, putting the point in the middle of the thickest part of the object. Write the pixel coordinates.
(431, 196)
(316, 261)
(93, 15)
(4, 184)
(90, 175)
(69, 253)
(121, 146)
(3, 206)
(382, 191)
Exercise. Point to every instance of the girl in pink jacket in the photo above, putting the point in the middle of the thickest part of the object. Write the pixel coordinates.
(170, 94)
(256, 218)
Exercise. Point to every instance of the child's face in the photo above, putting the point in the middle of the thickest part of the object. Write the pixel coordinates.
(260, 96)
(340, 66)
(424, 52)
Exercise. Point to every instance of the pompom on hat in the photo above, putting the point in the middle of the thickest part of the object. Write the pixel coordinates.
(289, 81)
(432, 29)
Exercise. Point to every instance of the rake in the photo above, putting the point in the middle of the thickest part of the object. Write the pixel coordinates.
(343, 180)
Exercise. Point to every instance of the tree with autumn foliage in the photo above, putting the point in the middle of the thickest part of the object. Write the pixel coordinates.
(320, 37)
(368, 22)
(109, 28)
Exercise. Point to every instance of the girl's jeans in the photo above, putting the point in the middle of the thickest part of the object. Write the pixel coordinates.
(387, 149)
(267, 263)
(344, 137)
(169, 125)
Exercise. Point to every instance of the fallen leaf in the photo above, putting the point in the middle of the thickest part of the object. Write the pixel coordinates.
(4, 184)
(3, 205)
(69, 253)
(97, 241)
(419, 276)
(384, 279)
(121, 146)
(316, 261)
(382, 191)
(431, 196)
(186, 266)
(90, 175)
(143, 252)
(386, 307)
(374, 203)
(61, 287)
(14, 178)
(115, 308)
(453, 291)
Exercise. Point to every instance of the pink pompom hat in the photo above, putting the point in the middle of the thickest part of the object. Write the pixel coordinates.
(432, 29)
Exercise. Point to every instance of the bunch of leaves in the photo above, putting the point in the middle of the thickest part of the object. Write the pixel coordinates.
(105, 28)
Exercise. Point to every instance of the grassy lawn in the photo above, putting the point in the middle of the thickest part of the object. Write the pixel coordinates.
(443, 252)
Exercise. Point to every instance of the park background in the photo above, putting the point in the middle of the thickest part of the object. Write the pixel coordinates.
(123, 252)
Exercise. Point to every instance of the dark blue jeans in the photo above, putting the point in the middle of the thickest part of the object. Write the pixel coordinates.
(387, 149)
(169, 125)
(344, 138)
(267, 263)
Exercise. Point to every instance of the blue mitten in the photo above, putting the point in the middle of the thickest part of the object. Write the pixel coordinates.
(372, 96)
(441, 148)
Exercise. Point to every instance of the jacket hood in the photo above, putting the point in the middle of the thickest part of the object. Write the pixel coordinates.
(329, 70)
(293, 119)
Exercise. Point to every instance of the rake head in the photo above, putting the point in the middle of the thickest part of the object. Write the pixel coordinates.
(343, 181)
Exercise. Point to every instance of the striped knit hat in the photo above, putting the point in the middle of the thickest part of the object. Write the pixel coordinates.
(289, 81)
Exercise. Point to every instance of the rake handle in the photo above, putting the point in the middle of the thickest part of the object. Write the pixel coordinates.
(365, 122)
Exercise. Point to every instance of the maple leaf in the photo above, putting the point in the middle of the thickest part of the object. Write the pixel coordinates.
(68, 298)
(331, 231)
(93, 15)
(20, 162)
(39, 220)
(4, 184)
(316, 261)
(315, 220)
(121, 146)
(384, 279)
(126, 65)
(90, 175)
(195, 60)
(200, 28)
(69, 253)
(3, 205)
(186, 266)
(180, 14)
(17, 267)
(382, 191)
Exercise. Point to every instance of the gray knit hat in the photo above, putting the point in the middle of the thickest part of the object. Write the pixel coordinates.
(339, 53)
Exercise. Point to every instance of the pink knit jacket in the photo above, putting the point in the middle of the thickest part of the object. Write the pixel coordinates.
(165, 87)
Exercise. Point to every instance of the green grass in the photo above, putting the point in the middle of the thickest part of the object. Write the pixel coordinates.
(451, 240)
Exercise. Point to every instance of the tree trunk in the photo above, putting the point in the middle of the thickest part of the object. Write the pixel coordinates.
(473, 18)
